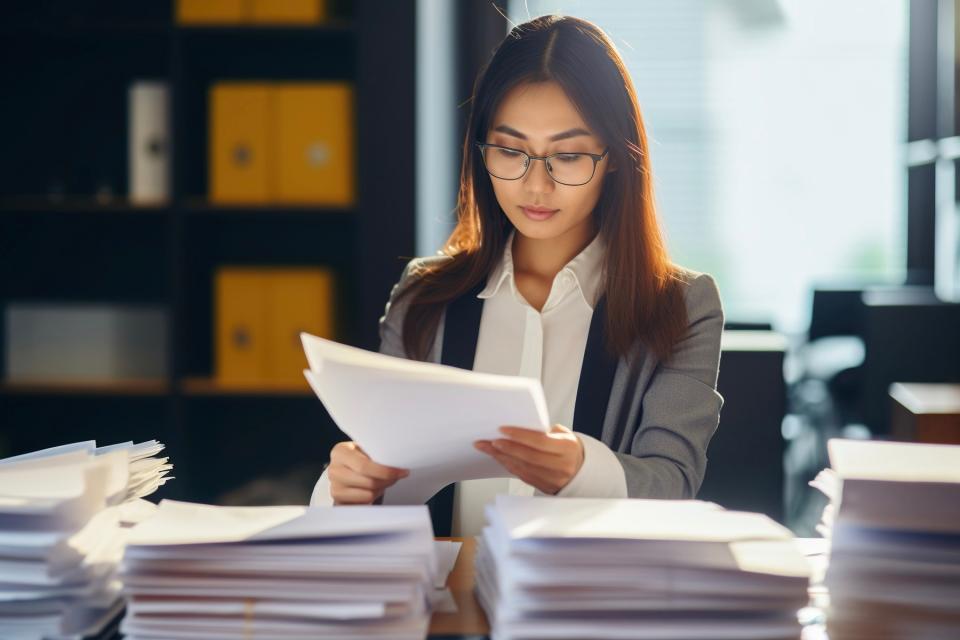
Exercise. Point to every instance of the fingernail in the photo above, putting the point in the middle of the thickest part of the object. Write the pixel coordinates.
(497, 444)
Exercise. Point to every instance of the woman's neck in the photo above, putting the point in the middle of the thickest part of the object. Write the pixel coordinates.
(544, 258)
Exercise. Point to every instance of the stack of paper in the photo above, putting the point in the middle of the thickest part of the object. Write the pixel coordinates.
(894, 525)
(61, 538)
(438, 412)
(200, 571)
(603, 568)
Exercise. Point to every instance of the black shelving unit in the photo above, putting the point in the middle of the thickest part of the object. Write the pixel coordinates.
(68, 234)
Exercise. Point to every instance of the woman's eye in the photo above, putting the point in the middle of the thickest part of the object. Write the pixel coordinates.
(508, 153)
(568, 157)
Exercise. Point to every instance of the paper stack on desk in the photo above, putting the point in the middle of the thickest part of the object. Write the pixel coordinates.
(419, 415)
(605, 568)
(61, 534)
(894, 525)
(200, 571)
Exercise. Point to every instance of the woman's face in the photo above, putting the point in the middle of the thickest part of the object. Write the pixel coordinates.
(539, 119)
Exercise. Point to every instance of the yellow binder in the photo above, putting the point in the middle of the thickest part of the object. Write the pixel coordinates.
(314, 126)
(210, 11)
(240, 143)
(300, 300)
(242, 308)
(287, 11)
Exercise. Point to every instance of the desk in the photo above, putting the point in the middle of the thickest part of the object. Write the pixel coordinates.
(469, 620)
(926, 412)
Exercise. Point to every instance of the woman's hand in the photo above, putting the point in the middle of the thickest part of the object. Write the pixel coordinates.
(355, 478)
(548, 461)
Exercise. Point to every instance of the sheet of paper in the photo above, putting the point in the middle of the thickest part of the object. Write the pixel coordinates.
(895, 461)
(548, 517)
(268, 608)
(67, 494)
(446, 552)
(84, 448)
(420, 416)
(187, 523)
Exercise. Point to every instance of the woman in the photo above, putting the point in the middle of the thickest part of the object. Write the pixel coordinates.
(557, 270)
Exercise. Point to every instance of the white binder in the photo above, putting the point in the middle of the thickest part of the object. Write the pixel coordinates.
(149, 142)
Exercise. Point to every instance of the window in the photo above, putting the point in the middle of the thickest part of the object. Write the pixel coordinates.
(777, 130)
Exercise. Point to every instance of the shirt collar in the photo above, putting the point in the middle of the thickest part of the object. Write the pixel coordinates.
(586, 269)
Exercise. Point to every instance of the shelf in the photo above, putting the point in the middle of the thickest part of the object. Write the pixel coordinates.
(200, 206)
(77, 204)
(198, 386)
(144, 387)
(328, 27)
(84, 28)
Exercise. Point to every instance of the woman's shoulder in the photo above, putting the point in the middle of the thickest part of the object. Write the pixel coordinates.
(700, 291)
(415, 268)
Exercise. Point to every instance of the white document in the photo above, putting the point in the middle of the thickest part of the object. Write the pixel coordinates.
(546, 517)
(447, 552)
(420, 416)
(903, 486)
(179, 523)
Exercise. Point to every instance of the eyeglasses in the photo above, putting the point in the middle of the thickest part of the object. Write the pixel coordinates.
(571, 169)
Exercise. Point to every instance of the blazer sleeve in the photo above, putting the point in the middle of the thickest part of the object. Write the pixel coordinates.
(680, 409)
(391, 322)
(391, 343)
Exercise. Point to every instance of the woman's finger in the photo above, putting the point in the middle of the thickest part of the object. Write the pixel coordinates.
(347, 477)
(530, 455)
(353, 496)
(370, 468)
(551, 443)
(354, 458)
(545, 479)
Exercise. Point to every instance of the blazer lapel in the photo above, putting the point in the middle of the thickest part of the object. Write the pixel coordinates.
(596, 377)
(461, 328)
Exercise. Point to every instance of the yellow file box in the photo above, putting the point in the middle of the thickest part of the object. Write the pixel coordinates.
(211, 11)
(240, 155)
(289, 143)
(260, 313)
(287, 11)
(314, 130)
(241, 325)
(301, 300)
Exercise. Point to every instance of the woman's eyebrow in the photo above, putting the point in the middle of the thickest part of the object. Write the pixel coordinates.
(570, 133)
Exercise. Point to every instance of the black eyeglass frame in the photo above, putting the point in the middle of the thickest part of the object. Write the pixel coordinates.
(596, 157)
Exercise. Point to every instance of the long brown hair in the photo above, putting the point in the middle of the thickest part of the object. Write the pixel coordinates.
(644, 299)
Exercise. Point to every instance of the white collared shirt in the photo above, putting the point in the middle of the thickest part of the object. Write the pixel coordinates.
(516, 339)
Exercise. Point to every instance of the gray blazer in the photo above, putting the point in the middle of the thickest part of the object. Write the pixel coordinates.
(659, 416)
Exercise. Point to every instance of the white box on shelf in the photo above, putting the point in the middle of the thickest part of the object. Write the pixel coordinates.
(149, 141)
(85, 342)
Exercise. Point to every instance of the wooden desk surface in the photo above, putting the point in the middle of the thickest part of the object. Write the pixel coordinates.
(470, 618)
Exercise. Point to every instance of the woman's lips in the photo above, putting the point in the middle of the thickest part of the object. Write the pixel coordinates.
(538, 214)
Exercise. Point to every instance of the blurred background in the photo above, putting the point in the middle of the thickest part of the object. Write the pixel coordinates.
(185, 185)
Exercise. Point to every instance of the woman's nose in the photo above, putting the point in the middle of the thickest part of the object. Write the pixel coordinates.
(538, 178)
